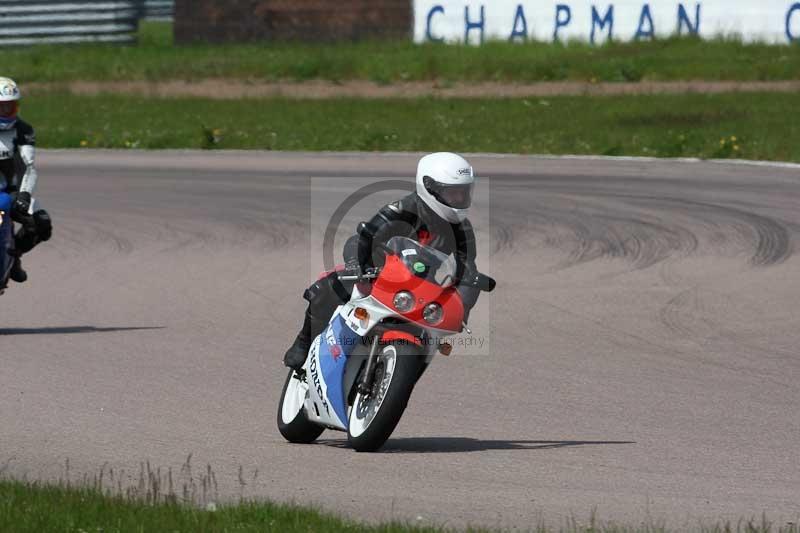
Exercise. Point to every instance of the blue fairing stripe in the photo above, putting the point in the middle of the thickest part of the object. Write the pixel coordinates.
(6, 232)
(5, 202)
(337, 343)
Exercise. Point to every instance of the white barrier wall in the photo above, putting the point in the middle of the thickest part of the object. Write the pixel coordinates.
(25, 22)
(474, 21)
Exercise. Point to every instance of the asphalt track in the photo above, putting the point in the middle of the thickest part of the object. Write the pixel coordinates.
(643, 359)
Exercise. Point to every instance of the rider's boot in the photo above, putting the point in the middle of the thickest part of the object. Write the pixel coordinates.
(296, 354)
(17, 273)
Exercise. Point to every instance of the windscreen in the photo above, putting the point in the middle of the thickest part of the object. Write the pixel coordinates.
(424, 262)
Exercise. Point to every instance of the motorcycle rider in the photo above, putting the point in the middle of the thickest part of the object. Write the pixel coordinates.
(17, 154)
(434, 215)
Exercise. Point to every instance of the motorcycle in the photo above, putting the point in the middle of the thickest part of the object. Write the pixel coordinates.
(361, 370)
(6, 240)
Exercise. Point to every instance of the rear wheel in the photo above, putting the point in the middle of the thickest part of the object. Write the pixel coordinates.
(292, 421)
(374, 416)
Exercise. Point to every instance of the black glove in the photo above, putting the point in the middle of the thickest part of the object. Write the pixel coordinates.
(22, 205)
(478, 281)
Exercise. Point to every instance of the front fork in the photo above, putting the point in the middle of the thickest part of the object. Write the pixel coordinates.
(367, 379)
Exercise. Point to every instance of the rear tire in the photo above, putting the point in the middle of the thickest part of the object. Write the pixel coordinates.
(292, 421)
(373, 419)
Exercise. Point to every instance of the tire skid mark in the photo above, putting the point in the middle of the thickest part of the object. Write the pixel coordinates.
(502, 238)
(680, 315)
(691, 315)
(583, 232)
(770, 237)
(177, 237)
(578, 224)
(628, 339)
(640, 242)
(103, 235)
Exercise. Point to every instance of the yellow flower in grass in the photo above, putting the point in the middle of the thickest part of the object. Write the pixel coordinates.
(84, 143)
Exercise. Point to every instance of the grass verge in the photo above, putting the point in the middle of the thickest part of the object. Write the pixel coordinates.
(35, 508)
(155, 58)
(32, 508)
(746, 125)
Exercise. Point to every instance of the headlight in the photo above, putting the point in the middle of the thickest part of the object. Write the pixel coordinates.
(433, 313)
(404, 301)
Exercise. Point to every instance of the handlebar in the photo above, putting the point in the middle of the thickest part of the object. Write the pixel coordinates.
(370, 275)
(474, 279)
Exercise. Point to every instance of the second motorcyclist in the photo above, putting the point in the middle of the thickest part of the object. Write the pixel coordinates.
(18, 176)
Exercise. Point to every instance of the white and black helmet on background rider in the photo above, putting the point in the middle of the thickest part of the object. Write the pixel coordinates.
(445, 182)
(9, 103)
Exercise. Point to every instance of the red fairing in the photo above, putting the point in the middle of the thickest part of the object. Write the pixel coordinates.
(395, 277)
(405, 336)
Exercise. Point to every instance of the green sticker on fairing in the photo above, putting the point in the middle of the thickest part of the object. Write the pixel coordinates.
(419, 268)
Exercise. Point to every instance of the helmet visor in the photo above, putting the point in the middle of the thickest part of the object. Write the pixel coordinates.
(458, 196)
(8, 110)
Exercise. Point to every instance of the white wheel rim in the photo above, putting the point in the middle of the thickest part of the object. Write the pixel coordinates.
(364, 409)
(293, 399)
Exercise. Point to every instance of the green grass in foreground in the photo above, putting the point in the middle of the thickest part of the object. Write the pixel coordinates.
(32, 508)
(26, 508)
(155, 58)
(748, 125)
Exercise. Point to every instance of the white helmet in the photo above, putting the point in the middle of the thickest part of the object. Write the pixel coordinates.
(445, 182)
(9, 103)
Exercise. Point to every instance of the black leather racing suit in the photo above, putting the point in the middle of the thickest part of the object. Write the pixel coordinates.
(408, 217)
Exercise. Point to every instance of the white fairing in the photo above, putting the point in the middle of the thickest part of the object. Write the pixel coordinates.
(317, 407)
(316, 404)
(293, 400)
(449, 169)
(377, 312)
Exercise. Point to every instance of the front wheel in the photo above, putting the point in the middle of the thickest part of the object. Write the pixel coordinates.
(373, 417)
(292, 421)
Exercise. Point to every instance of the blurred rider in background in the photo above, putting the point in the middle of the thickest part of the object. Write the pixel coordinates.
(18, 176)
(434, 215)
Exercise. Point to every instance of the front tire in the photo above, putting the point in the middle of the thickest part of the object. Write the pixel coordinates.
(373, 418)
(292, 421)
